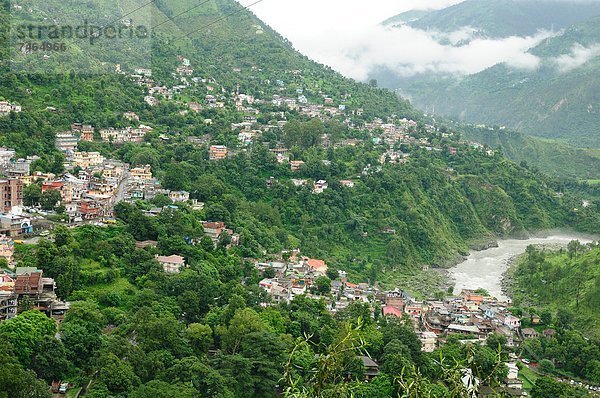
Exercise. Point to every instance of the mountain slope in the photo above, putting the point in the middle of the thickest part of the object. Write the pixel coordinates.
(405, 17)
(218, 36)
(210, 330)
(560, 99)
(551, 157)
(493, 18)
(567, 280)
(491, 195)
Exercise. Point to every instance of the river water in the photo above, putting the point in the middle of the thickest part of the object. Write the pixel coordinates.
(484, 269)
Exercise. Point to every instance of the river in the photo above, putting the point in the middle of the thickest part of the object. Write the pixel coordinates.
(484, 269)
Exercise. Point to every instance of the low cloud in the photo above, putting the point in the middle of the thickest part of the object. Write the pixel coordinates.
(347, 36)
(409, 51)
(578, 56)
(463, 35)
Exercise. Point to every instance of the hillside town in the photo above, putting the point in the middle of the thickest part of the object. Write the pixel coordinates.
(470, 314)
(91, 185)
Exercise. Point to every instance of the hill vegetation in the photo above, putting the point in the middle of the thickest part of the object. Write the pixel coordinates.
(498, 19)
(137, 332)
(565, 280)
(562, 287)
(211, 331)
(490, 196)
(551, 157)
(555, 100)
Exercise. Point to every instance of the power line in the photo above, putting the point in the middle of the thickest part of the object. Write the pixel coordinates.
(185, 12)
(180, 14)
(219, 19)
(129, 13)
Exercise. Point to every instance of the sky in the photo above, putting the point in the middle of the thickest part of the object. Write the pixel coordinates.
(334, 31)
(347, 35)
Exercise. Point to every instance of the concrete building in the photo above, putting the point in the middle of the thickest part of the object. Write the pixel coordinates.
(217, 152)
(7, 248)
(8, 304)
(179, 196)
(86, 131)
(11, 194)
(171, 264)
(6, 156)
(66, 142)
(142, 173)
(87, 159)
(428, 341)
(15, 226)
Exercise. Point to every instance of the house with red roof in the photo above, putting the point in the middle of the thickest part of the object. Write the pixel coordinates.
(318, 266)
(390, 310)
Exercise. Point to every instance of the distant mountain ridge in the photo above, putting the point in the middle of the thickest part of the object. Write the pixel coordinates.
(406, 17)
(560, 99)
(502, 18)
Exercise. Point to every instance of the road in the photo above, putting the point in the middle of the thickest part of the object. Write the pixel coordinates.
(32, 241)
(122, 188)
(585, 385)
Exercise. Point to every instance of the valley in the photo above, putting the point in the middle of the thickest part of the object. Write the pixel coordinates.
(485, 269)
(217, 215)
(552, 94)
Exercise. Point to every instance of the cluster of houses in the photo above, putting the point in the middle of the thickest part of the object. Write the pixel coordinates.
(13, 223)
(11, 167)
(174, 263)
(91, 185)
(89, 188)
(127, 134)
(17, 285)
(7, 107)
(217, 230)
(284, 97)
(291, 278)
(184, 68)
(391, 135)
(66, 142)
(29, 286)
(469, 314)
(142, 185)
(249, 130)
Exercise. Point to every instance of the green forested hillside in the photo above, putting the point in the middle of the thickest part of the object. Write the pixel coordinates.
(566, 280)
(551, 101)
(220, 40)
(435, 212)
(563, 288)
(552, 157)
(503, 18)
(211, 331)
(437, 204)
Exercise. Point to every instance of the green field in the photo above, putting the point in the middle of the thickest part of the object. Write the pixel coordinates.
(528, 377)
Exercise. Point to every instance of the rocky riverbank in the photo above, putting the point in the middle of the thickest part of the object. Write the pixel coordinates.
(486, 269)
(507, 282)
(483, 244)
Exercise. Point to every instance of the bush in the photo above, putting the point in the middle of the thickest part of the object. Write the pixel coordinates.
(547, 366)
(110, 299)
